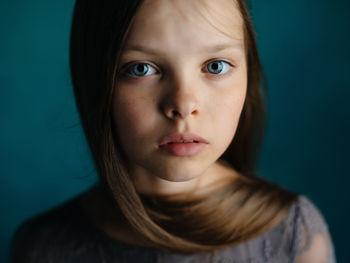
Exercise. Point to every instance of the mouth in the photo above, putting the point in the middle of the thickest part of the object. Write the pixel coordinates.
(182, 138)
(183, 144)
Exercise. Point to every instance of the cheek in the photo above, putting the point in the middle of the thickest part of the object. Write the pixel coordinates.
(132, 115)
(228, 110)
(228, 106)
(226, 120)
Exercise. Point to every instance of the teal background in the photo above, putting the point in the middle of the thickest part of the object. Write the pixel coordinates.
(304, 46)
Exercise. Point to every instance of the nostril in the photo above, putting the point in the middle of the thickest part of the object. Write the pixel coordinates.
(180, 111)
(176, 113)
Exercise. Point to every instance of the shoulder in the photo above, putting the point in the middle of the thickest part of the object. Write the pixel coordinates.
(44, 236)
(308, 232)
(306, 215)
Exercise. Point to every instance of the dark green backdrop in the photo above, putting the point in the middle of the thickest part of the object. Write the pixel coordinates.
(304, 45)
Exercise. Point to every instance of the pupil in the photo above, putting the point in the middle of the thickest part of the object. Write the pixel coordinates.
(215, 66)
(140, 68)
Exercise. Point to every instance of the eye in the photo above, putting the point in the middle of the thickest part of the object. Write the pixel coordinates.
(218, 67)
(141, 69)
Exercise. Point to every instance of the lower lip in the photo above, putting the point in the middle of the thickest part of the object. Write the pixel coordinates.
(183, 149)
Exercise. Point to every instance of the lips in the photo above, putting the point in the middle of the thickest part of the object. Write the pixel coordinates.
(182, 138)
(183, 144)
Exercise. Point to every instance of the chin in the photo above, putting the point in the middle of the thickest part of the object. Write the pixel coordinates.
(180, 173)
(178, 177)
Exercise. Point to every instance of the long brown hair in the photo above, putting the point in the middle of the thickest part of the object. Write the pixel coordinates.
(236, 212)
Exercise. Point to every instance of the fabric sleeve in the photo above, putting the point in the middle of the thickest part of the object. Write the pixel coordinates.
(312, 240)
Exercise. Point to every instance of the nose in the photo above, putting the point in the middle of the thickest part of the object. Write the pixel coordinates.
(181, 101)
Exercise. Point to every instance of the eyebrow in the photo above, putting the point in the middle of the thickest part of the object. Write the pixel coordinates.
(208, 49)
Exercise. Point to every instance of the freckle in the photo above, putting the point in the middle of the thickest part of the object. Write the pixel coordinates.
(143, 98)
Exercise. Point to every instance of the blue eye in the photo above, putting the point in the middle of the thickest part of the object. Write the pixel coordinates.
(141, 69)
(218, 67)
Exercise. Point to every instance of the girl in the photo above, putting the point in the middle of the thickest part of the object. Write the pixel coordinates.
(170, 100)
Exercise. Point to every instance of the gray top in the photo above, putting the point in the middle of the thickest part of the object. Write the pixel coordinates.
(65, 235)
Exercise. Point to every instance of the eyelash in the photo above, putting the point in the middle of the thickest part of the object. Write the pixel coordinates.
(128, 70)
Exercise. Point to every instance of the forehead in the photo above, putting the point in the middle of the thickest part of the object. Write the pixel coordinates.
(171, 24)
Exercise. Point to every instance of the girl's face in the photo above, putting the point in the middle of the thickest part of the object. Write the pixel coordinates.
(184, 71)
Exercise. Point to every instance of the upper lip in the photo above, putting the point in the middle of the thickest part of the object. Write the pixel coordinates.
(182, 137)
